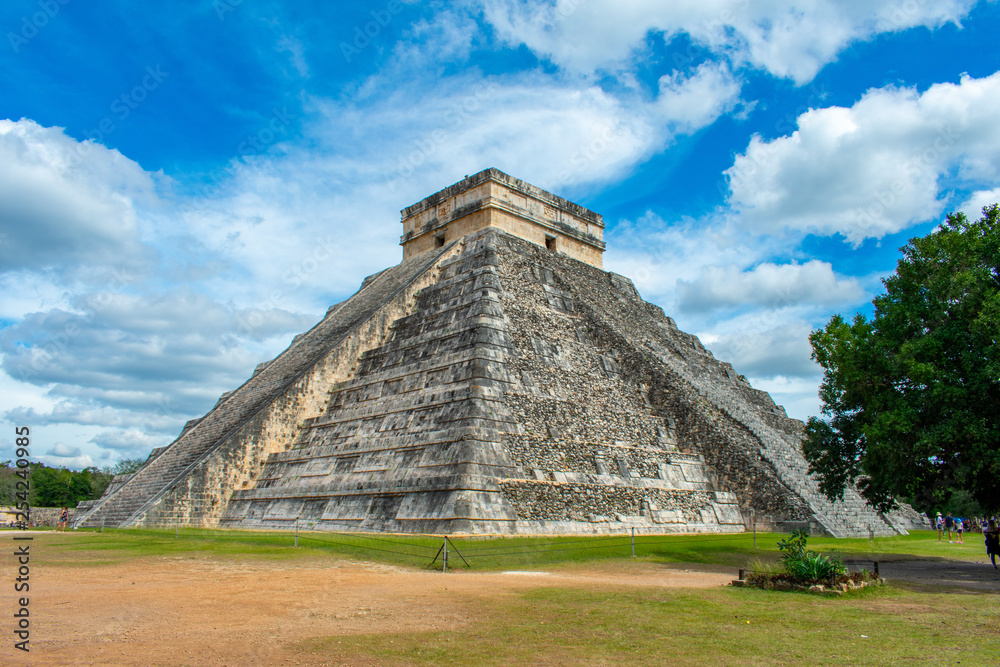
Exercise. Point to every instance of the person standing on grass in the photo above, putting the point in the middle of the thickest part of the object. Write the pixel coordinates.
(959, 529)
(63, 518)
(992, 534)
(939, 524)
(949, 525)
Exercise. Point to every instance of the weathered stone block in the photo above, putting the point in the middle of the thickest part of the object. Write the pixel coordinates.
(489, 385)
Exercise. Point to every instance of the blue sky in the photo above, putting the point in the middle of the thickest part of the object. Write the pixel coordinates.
(185, 187)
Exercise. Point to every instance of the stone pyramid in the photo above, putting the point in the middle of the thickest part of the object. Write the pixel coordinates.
(496, 381)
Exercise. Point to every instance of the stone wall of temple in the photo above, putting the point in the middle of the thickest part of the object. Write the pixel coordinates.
(750, 445)
(491, 386)
(492, 198)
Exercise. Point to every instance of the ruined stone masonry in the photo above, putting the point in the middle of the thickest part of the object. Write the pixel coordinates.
(497, 381)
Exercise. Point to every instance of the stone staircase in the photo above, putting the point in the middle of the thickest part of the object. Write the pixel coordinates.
(490, 410)
(401, 445)
(125, 503)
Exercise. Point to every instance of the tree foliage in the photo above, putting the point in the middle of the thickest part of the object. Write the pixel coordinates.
(55, 487)
(125, 466)
(911, 397)
(806, 565)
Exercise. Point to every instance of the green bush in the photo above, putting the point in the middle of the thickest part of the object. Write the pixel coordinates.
(813, 567)
(806, 565)
(794, 546)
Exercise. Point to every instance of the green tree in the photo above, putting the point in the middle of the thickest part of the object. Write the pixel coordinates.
(911, 398)
(80, 486)
(7, 484)
(55, 487)
(99, 481)
(126, 466)
(51, 487)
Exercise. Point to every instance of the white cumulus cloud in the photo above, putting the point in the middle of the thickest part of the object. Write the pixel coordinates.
(60, 449)
(788, 39)
(874, 168)
(554, 133)
(765, 347)
(64, 456)
(973, 207)
(130, 442)
(64, 202)
(767, 285)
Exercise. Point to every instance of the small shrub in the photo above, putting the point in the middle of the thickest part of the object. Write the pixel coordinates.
(808, 566)
(800, 568)
(812, 566)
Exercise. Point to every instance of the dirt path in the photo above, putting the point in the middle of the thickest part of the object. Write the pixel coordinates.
(214, 610)
(211, 611)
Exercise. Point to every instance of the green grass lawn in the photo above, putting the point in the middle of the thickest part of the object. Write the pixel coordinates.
(606, 624)
(554, 626)
(483, 554)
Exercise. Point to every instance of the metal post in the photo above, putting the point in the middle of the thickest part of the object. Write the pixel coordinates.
(444, 563)
(753, 520)
(296, 532)
(633, 541)
(871, 533)
(876, 569)
(102, 524)
(176, 530)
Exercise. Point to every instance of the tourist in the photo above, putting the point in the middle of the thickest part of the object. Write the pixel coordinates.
(959, 529)
(949, 525)
(992, 534)
(939, 524)
(63, 519)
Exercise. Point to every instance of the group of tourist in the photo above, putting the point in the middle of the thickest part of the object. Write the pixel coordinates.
(959, 526)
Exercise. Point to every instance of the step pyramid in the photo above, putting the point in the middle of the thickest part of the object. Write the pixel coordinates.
(496, 381)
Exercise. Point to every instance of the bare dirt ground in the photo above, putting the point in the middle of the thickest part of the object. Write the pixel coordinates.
(184, 610)
(211, 611)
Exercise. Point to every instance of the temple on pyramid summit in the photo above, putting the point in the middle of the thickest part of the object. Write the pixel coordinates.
(496, 381)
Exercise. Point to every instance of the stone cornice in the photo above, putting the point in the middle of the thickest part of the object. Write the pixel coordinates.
(510, 182)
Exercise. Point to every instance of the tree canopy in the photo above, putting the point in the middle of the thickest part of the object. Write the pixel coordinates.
(55, 487)
(124, 466)
(911, 397)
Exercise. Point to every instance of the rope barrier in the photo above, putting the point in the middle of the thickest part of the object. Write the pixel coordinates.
(589, 540)
(639, 539)
(421, 551)
(517, 553)
(359, 546)
(363, 536)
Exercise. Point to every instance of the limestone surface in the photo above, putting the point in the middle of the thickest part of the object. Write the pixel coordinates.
(495, 385)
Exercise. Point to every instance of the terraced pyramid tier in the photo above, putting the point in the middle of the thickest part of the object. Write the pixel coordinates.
(493, 386)
(527, 392)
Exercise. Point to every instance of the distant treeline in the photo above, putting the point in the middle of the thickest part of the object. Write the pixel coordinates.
(55, 487)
